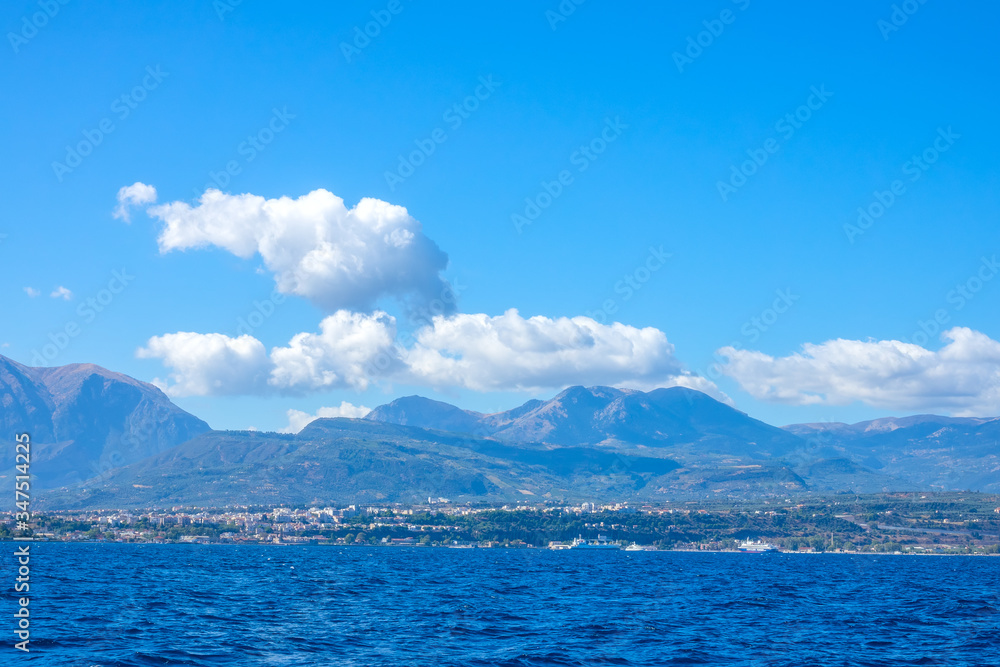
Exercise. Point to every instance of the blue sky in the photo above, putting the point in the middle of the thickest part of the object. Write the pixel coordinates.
(665, 122)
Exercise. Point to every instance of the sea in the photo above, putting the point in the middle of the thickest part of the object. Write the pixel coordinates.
(145, 604)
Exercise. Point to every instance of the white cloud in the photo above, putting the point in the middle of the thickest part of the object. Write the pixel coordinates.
(686, 379)
(316, 247)
(60, 293)
(32, 292)
(298, 420)
(511, 353)
(348, 351)
(137, 194)
(962, 378)
(209, 364)
(353, 350)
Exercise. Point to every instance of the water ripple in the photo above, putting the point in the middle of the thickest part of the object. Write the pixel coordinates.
(137, 605)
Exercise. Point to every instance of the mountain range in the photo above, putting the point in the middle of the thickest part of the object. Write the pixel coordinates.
(605, 417)
(103, 439)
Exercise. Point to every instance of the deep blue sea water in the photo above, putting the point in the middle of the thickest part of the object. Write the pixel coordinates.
(120, 604)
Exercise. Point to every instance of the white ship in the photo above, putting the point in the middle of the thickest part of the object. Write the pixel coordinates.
(749, 546)
(600, 543)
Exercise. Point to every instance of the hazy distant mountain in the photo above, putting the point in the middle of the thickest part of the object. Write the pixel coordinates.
(707, 438)
(670, 417)
(925, 423)
(934, 452)
(84, 420)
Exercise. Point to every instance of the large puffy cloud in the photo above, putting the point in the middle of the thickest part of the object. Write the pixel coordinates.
(209, 364)
(510, 352)
(316, 247)
(352, 350)
(348, 351)
(963, 377)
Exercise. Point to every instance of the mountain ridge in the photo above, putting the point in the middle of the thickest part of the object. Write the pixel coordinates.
(110, 438)
(595, 415)
(84, 419)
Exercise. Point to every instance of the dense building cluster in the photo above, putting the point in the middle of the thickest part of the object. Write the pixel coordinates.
(905, 523)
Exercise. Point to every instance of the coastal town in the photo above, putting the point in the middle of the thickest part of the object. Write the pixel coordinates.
(890, 523)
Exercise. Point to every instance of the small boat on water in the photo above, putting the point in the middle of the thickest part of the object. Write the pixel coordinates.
(638, 547)
(749, 546)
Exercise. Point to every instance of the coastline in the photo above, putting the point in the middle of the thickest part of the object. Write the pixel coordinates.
(423, 547)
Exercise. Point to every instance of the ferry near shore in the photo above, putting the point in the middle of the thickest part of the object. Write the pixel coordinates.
(749, 546)
(580, 543)
(600, 543)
